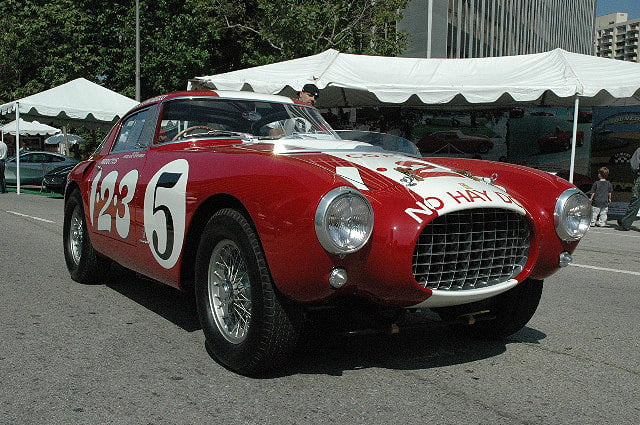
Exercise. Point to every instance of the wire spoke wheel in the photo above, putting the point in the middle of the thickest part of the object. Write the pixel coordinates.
(84, 263)
(76, 235)
(247, 328)
(229, 291)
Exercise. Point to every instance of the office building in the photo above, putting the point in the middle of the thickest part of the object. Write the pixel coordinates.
(617, 37)
(483, 28)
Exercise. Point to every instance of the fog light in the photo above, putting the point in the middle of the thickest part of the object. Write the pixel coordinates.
(338, 277)
(565, 259)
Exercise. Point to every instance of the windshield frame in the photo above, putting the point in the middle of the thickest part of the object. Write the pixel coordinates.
(246, 119)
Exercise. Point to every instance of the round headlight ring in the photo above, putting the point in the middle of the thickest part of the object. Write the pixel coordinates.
(572, 215)
(344, 220)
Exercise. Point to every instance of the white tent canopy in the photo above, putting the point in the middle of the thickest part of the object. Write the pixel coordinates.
(29, 128)
(550, 78)
(558, 78)
(77, 100)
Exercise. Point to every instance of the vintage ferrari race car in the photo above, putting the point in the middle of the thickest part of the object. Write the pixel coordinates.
(254, 203)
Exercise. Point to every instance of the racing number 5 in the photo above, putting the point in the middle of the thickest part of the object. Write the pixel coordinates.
(167, 180)
(164, 211)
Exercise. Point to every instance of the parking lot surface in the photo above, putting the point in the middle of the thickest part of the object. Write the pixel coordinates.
(131, 351)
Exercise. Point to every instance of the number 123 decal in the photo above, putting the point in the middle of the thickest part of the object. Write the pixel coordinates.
(108, 195)
(164, 207)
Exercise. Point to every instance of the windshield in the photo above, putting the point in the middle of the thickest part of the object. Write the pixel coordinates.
(388, 142)
(185, 118)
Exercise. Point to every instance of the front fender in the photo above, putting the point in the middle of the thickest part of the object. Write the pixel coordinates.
(538, 192)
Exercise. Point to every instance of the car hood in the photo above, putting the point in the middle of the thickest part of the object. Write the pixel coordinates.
(433, 187)
(65, 169)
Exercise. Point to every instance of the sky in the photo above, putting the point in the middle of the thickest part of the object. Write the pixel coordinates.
(632, 7)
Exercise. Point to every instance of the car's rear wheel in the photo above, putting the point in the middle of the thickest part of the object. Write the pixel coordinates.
(84, 263)
(507, 313)
(484, 147)
(247, 325)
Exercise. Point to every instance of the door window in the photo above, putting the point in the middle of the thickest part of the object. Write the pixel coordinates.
(129, 136)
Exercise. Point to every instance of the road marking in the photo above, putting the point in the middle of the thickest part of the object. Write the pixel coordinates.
(30, 216)
(628, 234)
(606, 269)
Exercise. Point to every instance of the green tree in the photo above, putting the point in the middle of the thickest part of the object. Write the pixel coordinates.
(265, 31)
(48, 42)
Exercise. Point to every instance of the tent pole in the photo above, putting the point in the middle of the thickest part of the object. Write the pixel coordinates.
(18, 148)
(429, 27)
(574, 139)
(137, 51)
(66, 143)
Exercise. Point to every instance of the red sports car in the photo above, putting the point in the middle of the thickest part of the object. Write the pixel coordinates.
(193, 189)
(559, 141)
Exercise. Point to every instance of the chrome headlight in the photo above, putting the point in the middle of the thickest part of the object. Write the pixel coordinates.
(572, 215)
(344, 220)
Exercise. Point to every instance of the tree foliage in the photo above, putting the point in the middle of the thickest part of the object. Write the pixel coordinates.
(49, 42)
(270, 31)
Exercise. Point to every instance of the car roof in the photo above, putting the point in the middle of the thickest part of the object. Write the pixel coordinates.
(39, 152)
(221, 94)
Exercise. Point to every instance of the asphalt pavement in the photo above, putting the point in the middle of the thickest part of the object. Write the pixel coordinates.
(132, 352)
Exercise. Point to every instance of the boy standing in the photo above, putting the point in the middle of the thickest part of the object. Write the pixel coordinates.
(601, 197)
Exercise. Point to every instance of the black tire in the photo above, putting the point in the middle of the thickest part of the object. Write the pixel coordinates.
(84, 263)
(264, 338)
(511, 311)
(543, 147)
(484, 148)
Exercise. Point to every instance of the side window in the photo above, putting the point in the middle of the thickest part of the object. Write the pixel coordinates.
(53, 158)
(129, 137)
(35, 157)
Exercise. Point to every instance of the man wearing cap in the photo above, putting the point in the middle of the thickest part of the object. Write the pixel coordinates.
(309, 94)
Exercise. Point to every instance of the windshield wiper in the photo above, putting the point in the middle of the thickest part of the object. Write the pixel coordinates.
(222, 133)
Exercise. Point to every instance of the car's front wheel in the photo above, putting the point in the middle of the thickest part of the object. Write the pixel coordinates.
(499, 317)
(84, 263)
(247, 325)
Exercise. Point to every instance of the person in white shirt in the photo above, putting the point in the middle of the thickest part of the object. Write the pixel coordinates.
(630, 215)
(3, 157)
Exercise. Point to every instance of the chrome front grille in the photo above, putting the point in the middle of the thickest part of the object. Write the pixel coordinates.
(471, 249)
